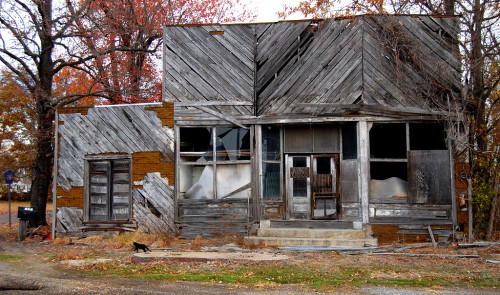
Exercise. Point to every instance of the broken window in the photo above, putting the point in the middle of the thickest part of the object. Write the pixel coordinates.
(408, 158)
(388, 163)
(271, 163)
(108, 190)
(214, 162)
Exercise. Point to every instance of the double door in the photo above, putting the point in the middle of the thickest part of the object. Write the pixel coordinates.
(312, 186)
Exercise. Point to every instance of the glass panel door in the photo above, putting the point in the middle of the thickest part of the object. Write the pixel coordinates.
(298, 184)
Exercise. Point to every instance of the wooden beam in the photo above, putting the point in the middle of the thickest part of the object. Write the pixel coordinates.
(373, 108)
(429, 228)
(240, 189)
(222, 116)
(212, 103)
(364, 169)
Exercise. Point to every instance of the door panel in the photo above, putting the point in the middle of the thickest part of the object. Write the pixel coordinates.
(313, 186)
(324, 187)
(298, 183)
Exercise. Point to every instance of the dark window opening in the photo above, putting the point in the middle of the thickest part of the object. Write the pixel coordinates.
(384, 170)
(323, 165)
(349, 141)
(299, 162)
(300, 187)
(271, 143)
(196, 140)
(427, 136)
(271, 181)
(388, 141)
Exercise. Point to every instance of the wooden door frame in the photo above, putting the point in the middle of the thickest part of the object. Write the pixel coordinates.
(336, 157)
(289, 213)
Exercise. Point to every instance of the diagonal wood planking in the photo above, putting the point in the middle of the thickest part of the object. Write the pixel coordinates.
(123, 129)
(207, 63)
(278, 66)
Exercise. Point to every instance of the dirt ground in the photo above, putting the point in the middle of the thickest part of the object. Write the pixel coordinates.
(54, 267)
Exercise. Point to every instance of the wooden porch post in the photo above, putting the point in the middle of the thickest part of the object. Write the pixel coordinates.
(364, 169)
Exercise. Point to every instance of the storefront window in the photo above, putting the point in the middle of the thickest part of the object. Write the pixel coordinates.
(271, 163)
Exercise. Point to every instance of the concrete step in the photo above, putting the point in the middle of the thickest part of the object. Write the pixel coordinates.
(321, 242)
(325, 224)
(312, 233)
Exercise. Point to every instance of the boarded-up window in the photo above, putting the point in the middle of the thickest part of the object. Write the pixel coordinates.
(108, 197)
(429, 180)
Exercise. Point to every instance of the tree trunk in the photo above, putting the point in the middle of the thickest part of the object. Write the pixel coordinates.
(42, 91)
(494, 210)
(42, 168)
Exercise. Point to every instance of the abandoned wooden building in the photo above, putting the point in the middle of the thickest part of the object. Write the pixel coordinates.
(326, 125)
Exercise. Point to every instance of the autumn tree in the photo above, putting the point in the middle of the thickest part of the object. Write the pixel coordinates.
(134, 75)
(43, 41)
(17, 114)
(480, 49)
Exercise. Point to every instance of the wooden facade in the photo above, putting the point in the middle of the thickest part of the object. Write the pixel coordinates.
(115, 168)
(337, 119)
(345, 102)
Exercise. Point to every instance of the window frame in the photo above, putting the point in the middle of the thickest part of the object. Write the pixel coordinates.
(87, 176)
(277, 162)
(214, 154)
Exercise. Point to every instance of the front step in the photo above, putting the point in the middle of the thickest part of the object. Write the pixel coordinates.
(310, 233)
(283, 242)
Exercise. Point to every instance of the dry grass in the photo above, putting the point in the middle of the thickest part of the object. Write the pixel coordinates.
(318, 270)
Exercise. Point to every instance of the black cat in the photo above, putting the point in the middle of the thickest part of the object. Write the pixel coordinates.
(139, 246)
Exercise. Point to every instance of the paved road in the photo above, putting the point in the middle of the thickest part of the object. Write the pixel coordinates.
(4, 218)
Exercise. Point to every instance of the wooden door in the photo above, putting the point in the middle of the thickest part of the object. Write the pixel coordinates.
(298, 186)
(325, 187)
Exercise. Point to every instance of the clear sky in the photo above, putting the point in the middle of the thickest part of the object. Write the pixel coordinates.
(267, 9)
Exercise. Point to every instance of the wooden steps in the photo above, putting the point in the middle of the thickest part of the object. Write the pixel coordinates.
(310, 233)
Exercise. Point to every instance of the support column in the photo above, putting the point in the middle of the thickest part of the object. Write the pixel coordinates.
(364, 169)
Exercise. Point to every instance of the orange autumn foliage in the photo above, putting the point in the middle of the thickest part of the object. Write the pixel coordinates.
(132, 31)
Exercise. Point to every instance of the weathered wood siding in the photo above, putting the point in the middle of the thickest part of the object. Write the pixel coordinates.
(363, 64)
(308, 62)
(210, 218)
(210, 64)
(407, 58)
(142, 131)
(313, 71)
(430, 179)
